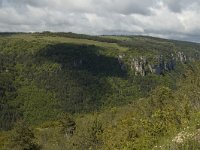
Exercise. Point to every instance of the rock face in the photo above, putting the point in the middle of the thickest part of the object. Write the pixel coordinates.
(181, 57)
(171, 63)
(138, 64)
(121, 63)
(143, 66)
(158, 65)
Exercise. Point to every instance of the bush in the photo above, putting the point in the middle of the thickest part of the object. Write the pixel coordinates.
(23, 138)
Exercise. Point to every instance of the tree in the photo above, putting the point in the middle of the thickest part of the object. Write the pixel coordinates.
(22, 138)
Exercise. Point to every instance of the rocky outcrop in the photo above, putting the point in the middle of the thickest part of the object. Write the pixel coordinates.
(121, 62)
(158, 65)
(181, 57)
(138, 65)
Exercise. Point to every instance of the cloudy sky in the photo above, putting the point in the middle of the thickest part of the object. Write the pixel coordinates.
(177, 19)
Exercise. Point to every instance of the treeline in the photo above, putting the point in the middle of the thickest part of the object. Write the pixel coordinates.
(78, 36)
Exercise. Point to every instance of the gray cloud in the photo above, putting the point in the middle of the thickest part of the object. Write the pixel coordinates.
(181, 5)
(164, 18)
(92, 6)
(22, 3)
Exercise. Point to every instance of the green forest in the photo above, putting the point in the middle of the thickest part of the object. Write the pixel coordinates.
(67, 91)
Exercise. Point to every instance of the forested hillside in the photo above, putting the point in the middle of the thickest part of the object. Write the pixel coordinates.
(71, 91)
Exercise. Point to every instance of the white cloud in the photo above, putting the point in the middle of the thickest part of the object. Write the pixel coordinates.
(164, 18)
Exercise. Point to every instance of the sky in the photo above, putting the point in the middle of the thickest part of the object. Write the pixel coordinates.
(174, 19)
